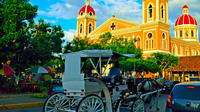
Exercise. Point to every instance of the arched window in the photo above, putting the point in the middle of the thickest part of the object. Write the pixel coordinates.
(149, 41)
(81, 13)
(164, 41)
(193, 52)
(162, 12)
(90, 13)
(197, 52)
(150, 11)
(181, 50)
(138, 42)
(90, 28)
(181, 33)
(81, 28)
(175, 50)
(187, 52)
(192, 33)
(186, 34)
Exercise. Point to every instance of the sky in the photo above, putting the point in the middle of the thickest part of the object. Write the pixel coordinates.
(65, 12)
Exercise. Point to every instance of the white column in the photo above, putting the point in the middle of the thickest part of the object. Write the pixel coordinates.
(197, 35)
(143, 8)
(157, 10)
(85, 27)
(167, 16)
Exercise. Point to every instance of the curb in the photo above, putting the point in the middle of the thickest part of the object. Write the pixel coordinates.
(22, 105)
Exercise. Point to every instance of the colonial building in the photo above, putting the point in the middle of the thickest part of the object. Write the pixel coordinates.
(153, 35)
(187, 70)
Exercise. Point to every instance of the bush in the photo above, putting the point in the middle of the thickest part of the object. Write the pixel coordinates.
(39, 95)
(43, 88)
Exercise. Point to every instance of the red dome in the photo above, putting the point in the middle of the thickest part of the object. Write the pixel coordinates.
(89, 9)
(185, 6)
(186, 19)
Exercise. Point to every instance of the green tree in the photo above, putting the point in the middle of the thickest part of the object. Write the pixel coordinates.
(15, 18)
(22, 41)
(45, 41)
(107, 42)
(165, 61)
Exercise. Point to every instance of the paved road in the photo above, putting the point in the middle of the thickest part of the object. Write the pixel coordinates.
(162, 104)
(6, 99)
(36, 109)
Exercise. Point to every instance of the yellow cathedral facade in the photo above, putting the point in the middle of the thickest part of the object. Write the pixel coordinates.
(153, 35)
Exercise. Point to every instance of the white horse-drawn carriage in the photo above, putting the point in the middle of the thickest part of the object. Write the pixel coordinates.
(87, 94)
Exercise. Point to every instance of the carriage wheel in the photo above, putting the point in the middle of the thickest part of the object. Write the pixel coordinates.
(91, 103)
(138, 106)
(59, 102)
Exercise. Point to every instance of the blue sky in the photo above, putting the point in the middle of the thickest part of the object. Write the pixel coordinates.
(64, 12)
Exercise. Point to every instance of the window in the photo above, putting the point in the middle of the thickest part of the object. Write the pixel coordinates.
(150, 11)
(162, 12)
(186, 34)
(152, 44)
(138, 42)
(187, 52)
(149, 35)
(90, 13)
(181, 50)
(192, 33)
(181, 33)
(147, 44)
(164, 41)
(175, 50)
(81, 28)
(90, 28)
(149, 41)
(81, 13)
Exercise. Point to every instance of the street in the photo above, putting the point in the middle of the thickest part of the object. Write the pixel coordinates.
(161, 105)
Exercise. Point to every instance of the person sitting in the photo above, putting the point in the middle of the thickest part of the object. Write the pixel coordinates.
(115, 74)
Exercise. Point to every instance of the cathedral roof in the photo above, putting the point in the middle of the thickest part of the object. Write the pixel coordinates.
(185, 19)
(87, 8)
(187, 63)
(185, 6)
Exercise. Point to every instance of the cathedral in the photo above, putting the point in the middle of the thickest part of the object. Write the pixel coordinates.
(153, 35)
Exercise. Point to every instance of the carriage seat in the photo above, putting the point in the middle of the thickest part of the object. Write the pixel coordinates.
(92, 87)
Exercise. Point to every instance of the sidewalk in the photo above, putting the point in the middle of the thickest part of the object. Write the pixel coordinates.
(12, 101)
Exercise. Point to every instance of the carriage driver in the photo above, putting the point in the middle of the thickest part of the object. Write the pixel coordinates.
(114, 73)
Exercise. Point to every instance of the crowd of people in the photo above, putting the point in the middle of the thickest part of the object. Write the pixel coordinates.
(16, 84)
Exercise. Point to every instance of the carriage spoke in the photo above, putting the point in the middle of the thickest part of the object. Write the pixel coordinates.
(60, 103)
(92, 103)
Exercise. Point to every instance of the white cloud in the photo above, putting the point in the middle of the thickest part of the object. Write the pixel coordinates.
(50, 21)
(69, 35)
(125, 9)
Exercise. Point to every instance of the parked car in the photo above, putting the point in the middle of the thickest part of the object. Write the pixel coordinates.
(169, 85)
(184, 97)
(56, 86)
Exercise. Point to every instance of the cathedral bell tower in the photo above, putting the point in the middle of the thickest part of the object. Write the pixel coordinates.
(155, 27)
(155, 10)
(86, 20)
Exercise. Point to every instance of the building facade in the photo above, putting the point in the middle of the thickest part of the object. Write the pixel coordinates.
(153, 35)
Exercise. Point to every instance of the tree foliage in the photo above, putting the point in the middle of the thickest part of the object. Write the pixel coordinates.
(165, 61)
(22, 41)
